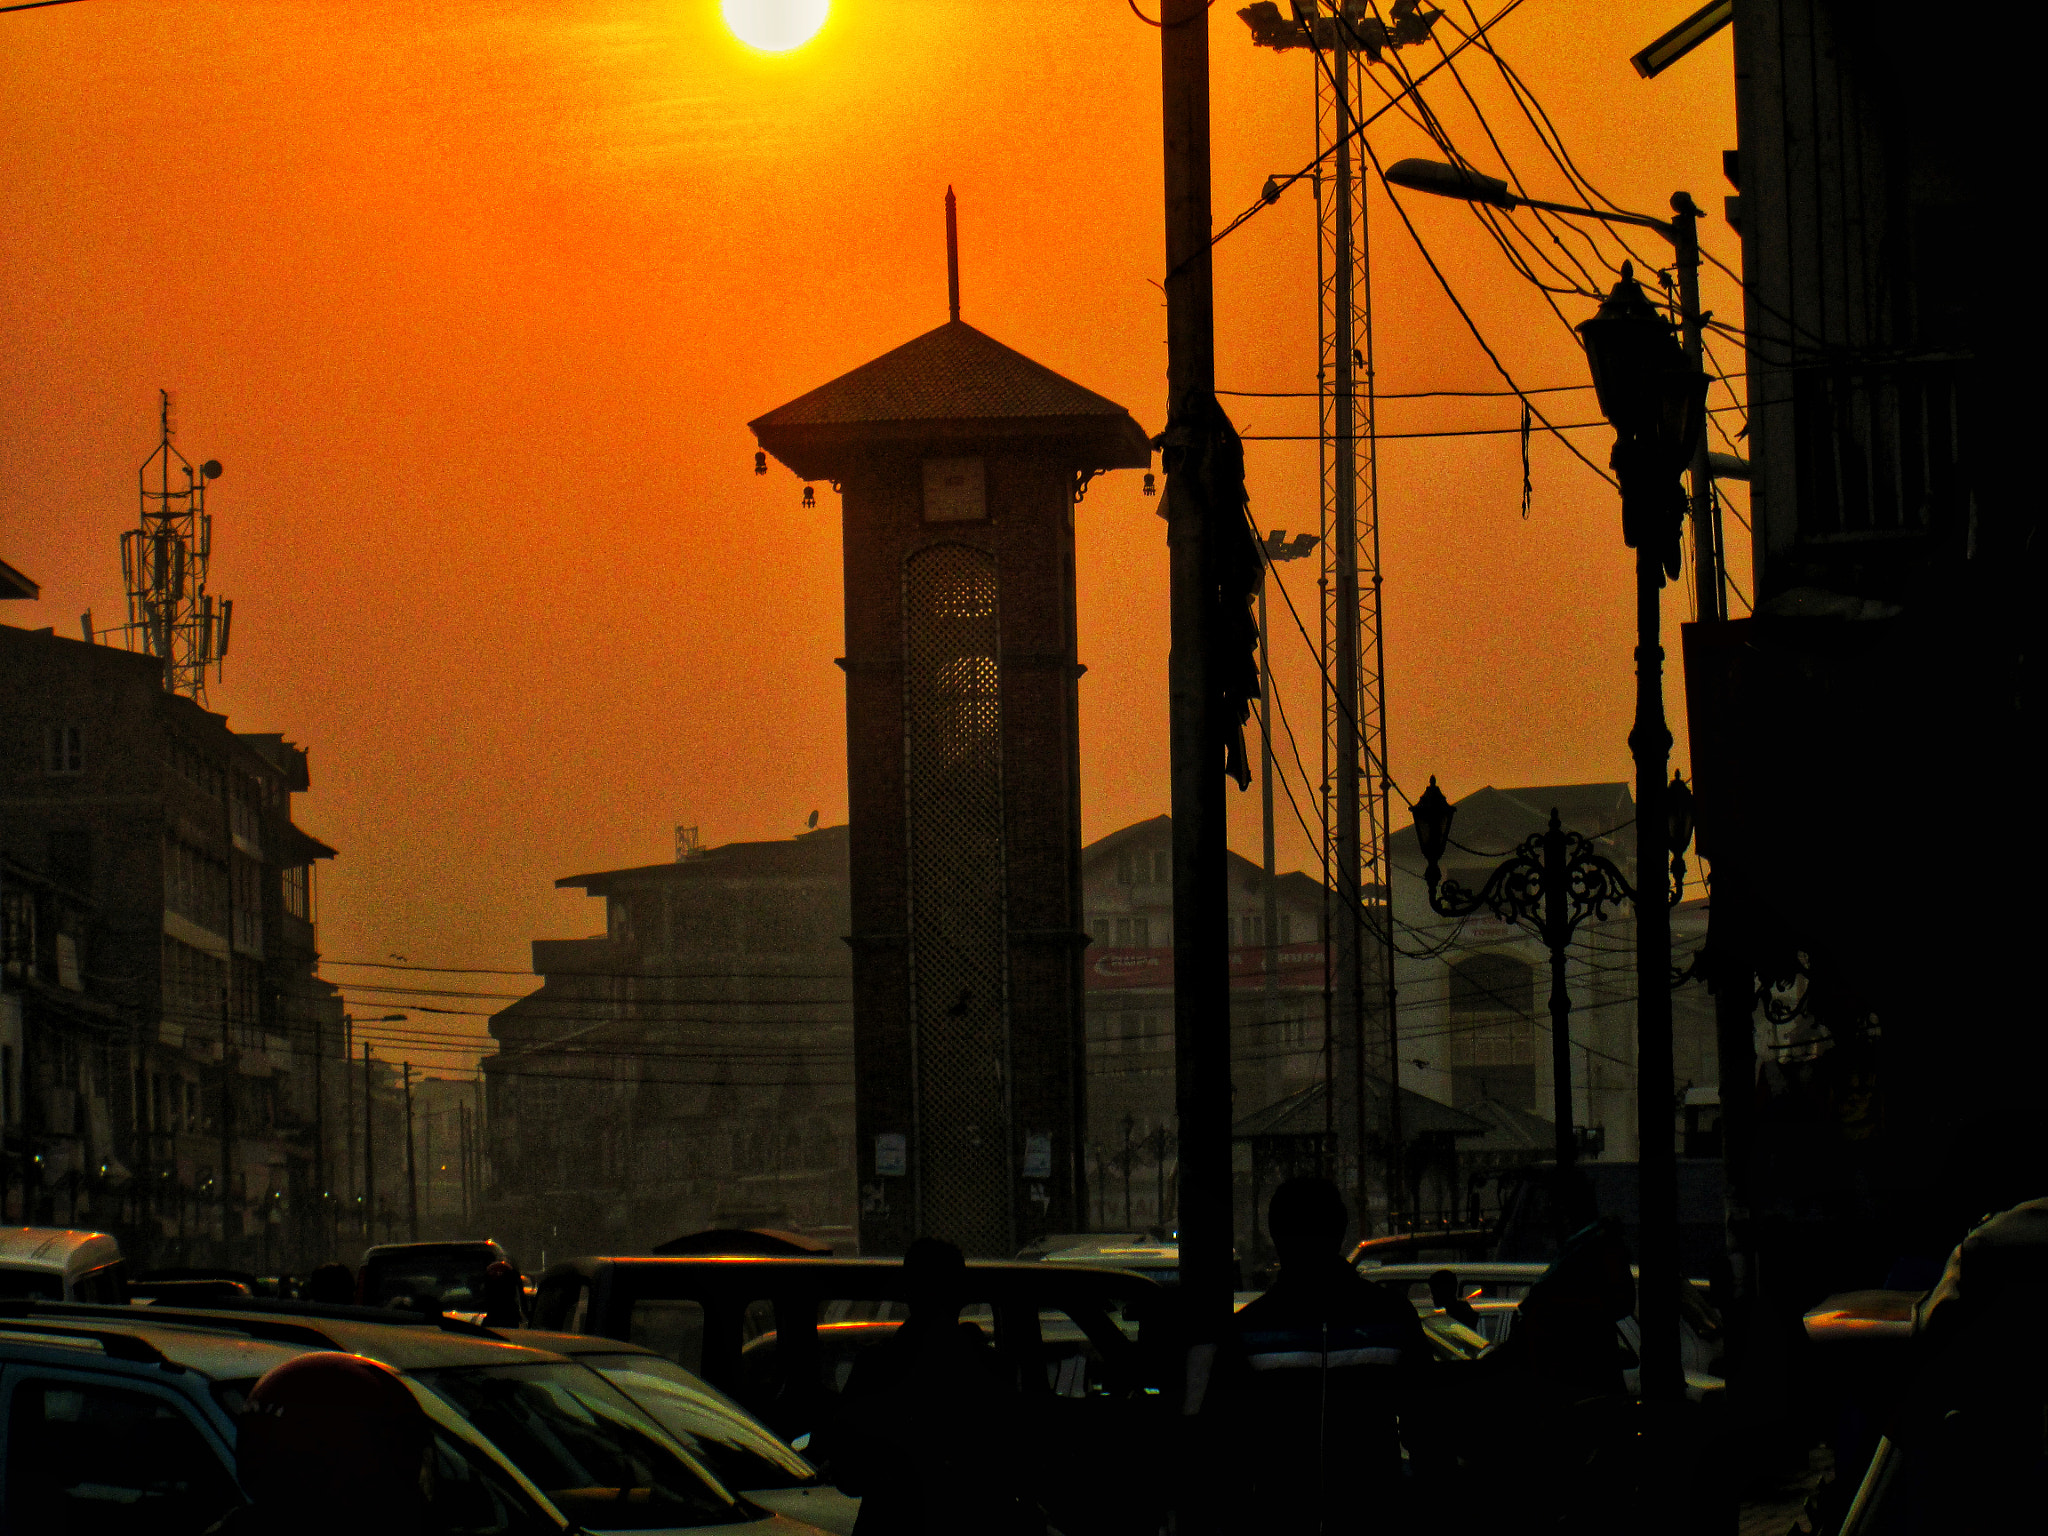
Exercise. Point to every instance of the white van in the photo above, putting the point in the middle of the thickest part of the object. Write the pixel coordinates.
(59, 1264)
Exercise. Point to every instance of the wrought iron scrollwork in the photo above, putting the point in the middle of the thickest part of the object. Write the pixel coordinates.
(1519, 889)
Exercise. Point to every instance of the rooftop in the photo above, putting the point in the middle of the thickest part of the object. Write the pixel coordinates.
(951, 381)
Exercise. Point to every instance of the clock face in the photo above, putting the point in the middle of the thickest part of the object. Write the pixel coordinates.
(775, 26)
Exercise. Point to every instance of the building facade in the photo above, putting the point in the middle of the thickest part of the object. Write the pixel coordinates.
(1277, 1046)
(173, 1053)
(691, 1066)
(1475, 992)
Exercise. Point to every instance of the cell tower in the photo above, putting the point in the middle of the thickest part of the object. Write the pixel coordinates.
(1344, 37)
(170, 613)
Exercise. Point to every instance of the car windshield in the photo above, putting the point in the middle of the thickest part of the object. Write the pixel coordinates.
(584, 1445)
(31, 1282)
(445, 1282)
(740, 1451)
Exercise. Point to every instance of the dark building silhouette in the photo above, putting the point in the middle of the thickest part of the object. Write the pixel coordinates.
(960, 463)
(1884, 675)
(161, 1022)
(689, 1067)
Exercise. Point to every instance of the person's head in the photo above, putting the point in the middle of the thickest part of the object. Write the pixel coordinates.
(330, 1441)
(502, 1292)
(331, 1283)
(935, 1273)
(1306, 1218)
(1443, 1287)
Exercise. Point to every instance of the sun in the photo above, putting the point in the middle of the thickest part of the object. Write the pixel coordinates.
(775, 26)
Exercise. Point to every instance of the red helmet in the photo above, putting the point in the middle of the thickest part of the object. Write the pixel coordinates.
(328, 1432)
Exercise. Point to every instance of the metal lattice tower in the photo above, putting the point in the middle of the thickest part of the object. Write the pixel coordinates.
(1344, 37)
(170, 613)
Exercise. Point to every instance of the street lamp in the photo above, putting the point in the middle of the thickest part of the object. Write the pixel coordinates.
(1650, 392)
(1553, 880)
(1276, 547)
(1653, 392)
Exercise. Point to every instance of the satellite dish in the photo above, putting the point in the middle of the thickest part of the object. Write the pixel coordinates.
(814, 821)
(210, 469)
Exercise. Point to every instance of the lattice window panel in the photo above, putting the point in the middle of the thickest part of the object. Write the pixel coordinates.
(954, 776)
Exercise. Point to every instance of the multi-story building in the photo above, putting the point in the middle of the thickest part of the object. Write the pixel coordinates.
(1276, 1017)
(160, 912)
(1475, 991)
(691, 1066)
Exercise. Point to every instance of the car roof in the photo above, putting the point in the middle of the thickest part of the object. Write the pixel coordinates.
(216, 1355)
(819, 1274)
(405, 1346)
(56, 1250)
(467, 1248)
(1493, 1271)
(1118, 1256)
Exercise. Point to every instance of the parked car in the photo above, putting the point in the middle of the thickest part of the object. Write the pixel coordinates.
(62, 1264)
(782, 1337)
(1155, 1259)
(739, 1449)
(426, 1277)
(1495, 1292)
(194, 1287)
(122, 1422)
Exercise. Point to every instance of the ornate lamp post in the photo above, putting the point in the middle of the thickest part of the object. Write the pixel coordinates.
(1652, 390)
(1554, 881)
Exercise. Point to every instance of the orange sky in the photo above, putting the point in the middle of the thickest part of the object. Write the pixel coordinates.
(473, 301)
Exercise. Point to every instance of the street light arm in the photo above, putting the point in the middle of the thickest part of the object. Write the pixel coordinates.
(1467, 185)
(1663, 227)
(1516, 891)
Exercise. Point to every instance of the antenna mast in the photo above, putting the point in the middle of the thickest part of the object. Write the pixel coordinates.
(171, 615)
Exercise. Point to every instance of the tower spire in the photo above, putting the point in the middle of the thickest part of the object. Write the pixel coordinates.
(952, 254)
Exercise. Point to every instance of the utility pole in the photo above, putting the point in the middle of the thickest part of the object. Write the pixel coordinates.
(1277, 547)
(227, 1142)
(1348, 937)
(369, 1150)
(1201, 935)
(1269, 915)
(412, 1169)
(1710, 575)
(320, 1191)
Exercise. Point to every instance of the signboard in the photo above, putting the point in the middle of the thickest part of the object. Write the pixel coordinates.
(1038, 1155)
(1300, 965)
(892, 1154)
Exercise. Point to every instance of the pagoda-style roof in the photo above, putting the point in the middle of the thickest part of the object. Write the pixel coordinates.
(951, 384)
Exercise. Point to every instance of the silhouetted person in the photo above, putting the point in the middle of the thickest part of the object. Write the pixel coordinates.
(1564, 1423)
(1443, 1294)
(331, 1283)
(503, 1296)
(1309, 1382)
(925, 1431)
(332, 1445)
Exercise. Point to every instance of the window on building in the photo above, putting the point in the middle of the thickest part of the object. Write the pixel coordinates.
(1134, 933)
(195, 886)
(1162, 866)
(1492, 1028)
(1286, 929)
(1126, 869)
(18, 933)
(243, 820)
(64, 749)
(247, 879)
(193, 984)
(298, 891)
